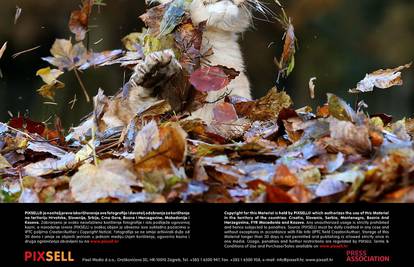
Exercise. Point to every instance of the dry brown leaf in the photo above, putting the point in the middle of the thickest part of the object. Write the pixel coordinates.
(276, 195)
(50, 165)
(312, 87)
(352, 135)
(153, 18)
(287, 59)
(386, 175)
(217, 194)
(301, 194)
(46, 147)
(67, 56)
(284, 177)
(154, 109)
(111, 178)
(265, 108)
(230, 130)
(147, 139)
(382, 79)
(170, 149)
(79, 20)
(188, 38)
(49, 90)
(53, 190)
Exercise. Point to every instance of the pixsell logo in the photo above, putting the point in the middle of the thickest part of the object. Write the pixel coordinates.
(48, 256)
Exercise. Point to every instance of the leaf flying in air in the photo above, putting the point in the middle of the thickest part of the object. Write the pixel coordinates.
(2, 49)
(67, 56)
(79, 20)
(382, 79)
(173, 16)
(286, 63)
(49, 76)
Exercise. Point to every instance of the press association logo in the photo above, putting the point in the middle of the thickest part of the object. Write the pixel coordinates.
(363, 256)
(48, 256)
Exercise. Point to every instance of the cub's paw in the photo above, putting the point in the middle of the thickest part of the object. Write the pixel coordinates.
(155, 70)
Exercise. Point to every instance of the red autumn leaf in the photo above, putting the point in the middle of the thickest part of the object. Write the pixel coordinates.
(16, 123)
(35, 127)
(207, 79)
(224, 112)
(27, 124)
(51, 134)
(79, 20)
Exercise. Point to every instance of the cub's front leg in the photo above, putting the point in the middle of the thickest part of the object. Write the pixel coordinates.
(150, 74)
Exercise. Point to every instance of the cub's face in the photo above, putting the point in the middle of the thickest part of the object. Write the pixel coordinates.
(226, 15)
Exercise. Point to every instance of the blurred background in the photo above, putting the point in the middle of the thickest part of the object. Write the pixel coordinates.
(339, 42)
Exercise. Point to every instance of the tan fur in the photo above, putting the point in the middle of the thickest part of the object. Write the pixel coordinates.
(226, 19)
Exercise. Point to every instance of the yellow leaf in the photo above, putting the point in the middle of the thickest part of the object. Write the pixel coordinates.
(154, 44)
(48, 75)
(132, 40)
(48, 91)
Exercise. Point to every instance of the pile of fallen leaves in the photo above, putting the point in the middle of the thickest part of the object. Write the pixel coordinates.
(260, 150)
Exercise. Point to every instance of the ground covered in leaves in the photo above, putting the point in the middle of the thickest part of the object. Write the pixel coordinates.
(263, 150)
